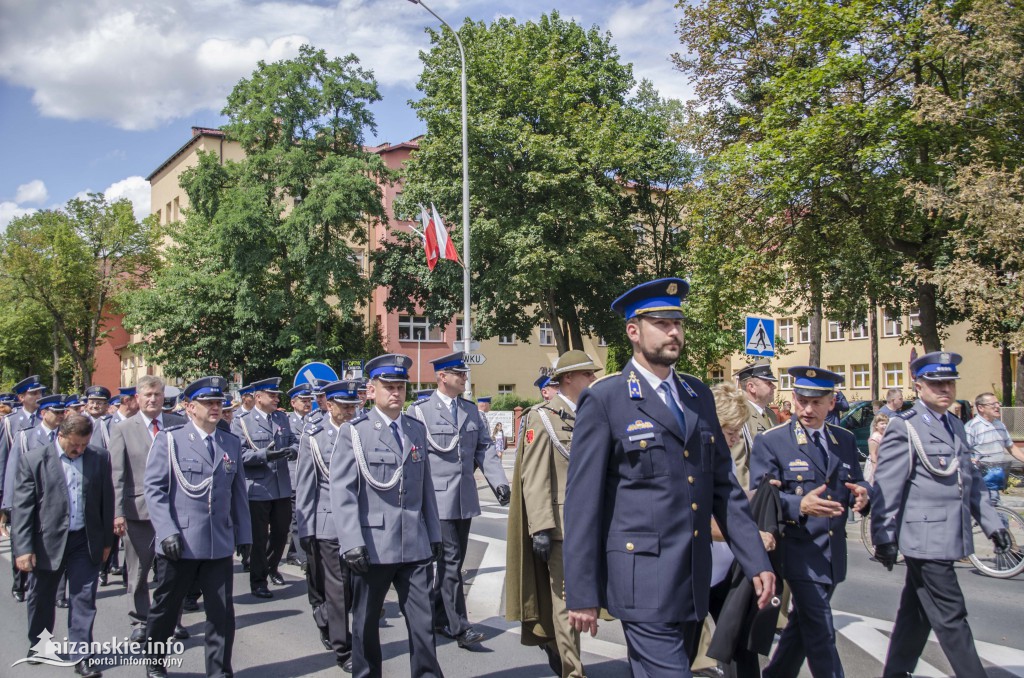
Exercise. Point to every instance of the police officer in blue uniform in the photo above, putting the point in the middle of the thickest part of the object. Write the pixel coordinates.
(96, 400)
(28, 392)
(459, 442)
(328, 578)
(648, 470)
(385, 514)
(195, 491)
(926, 492)
(301, 399)
(267, 445)
(819, 468)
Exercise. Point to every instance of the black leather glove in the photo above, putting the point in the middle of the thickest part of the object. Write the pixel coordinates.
(358, 560)
(1001, 539)
(503, 494)
(274, 455)
(308, 544)
(244, 551)
(542, 545)
(172, 547)
(887, 554)
(437, 549)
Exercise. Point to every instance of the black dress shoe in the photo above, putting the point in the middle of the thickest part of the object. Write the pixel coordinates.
(709, 672)
(190, 605)
(181, 633)
(347, 666)
(20, 596)
(469, 637)
(103, 579)
(156, 672)
(30, 655)
(115, 570)
(554, 659)
(325, 639)
(138, 634)
(262, 592)
(86, 669)
(63, 603)
(245, 564)
(276, 578)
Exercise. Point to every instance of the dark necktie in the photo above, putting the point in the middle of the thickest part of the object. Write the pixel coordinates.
(816, 437)
(948, 425)
(209, 446)
(155, 426)
(455, 411)
(398, 436)
(53, 436)
(670, 401)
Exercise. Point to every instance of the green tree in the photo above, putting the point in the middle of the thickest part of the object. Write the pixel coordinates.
(555, 140)
(262, 276)
(75, 263)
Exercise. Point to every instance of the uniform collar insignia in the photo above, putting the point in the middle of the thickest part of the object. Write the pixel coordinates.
(686, 387)
(634, 386)
(377, 426)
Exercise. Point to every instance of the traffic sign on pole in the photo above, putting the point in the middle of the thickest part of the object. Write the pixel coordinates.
(474, 345)
(475, 359)
(760, 336)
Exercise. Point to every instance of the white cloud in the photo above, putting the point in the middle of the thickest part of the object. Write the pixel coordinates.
(10, 211)
(135, 189)
(645, 35)
(33, 192)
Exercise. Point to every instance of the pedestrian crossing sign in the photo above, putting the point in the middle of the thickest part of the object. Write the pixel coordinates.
(760, 336)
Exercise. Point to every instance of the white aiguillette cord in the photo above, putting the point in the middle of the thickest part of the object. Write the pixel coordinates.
(430, 438)
(194, 491)
(546, 421)
(357, 448)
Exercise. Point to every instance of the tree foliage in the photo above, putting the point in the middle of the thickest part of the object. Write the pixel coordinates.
(262, 276)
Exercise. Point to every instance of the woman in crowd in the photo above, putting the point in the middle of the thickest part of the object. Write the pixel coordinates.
(878, 425)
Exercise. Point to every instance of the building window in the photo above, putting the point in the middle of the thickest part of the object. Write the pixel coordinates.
(507, 340)
(417, 328)
(547, 335)
(915, 319)
(861, 375)
(177, 210)
(785, 382)
(892, 375)
(506, 389)
(718, 375)
(838, 369)
(458, 329)
(835, 331)
(892, 324)
(859, 331)
(786, 330)
(805, 333)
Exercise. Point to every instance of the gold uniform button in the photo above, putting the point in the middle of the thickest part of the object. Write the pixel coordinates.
(695, 532)
(712, 438)
(828, 497)
(643, 444)
(799, 477)
(629, 546)
(690, 479)
(694, 506)
(830, 533)
(686, 453)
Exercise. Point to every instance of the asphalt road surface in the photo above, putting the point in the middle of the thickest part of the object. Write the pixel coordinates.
(277, 638)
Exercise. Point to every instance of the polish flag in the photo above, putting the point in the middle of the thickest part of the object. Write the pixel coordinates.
(436, 242)
(445, 246)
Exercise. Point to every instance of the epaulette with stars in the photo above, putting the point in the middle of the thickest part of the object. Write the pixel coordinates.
(408, 418)
(908, 414)
(168, 429)
(782, 425)
(312, 428)
(421, 401)
(610, 374)
(358, 418)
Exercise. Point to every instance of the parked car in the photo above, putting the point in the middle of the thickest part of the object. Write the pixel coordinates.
(858, 420)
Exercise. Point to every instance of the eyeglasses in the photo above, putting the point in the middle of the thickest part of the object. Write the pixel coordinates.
(995, 404)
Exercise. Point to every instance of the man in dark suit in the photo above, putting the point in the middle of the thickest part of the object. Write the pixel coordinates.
(130, 442)
(385, 515)
(195, 490)
(819, 468)
(926, 492)
(649, 468)
(63, 517)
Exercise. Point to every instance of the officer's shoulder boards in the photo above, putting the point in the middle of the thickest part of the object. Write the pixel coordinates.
(358, 418)
(908, 414)
(600, 379)
(410, 418)
(312, 428)
(174, 428)
(782, 425)
(421, 401)
(684, 379)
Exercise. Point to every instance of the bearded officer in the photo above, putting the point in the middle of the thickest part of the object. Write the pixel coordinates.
(821, 479)
(926, 492)
(267, 445)
(459, 442)
(195, 491)
(649, 469)
(535, 572)
(328, 578)
(385, 514)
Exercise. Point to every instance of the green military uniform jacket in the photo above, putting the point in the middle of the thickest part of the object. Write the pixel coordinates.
(757, 422)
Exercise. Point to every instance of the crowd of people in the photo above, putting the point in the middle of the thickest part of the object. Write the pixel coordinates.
(691, 515)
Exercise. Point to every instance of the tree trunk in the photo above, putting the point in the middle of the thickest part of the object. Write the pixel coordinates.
(1005, 360)
(1020, 380)
(815, 325)
(56, 362)
(873, 339)
(551, 311)
(929, 317)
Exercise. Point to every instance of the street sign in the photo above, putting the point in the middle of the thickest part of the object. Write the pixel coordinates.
(475, 359)
(760, 336)
(461, 346)
(309, 373)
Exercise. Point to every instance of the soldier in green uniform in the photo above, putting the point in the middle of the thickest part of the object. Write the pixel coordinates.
(535, 581)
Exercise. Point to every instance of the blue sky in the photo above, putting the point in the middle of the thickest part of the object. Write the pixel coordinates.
(95, 94)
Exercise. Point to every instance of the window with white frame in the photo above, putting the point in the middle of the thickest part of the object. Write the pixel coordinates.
(859, 331)
(860, 375)
(785, 381)
(835, 331)
(892, 324)
(718, 375)
(417, 328)
(786, 330)
(458, 329)
(915, 318)
(805, 333)
(506, 389)
(547, 335)
(507, 340)
(838, 369)
(892, 375)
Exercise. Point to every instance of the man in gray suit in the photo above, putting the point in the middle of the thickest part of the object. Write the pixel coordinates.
(195, 490)
(926, 491)
(267, 445)
(130, 441)
(459, 442)
(385, 514)
(328, 579)
(62, 520)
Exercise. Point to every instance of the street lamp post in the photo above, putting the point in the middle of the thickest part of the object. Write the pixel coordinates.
(467, 333)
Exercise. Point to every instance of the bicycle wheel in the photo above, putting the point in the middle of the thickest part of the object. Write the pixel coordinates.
(1001, 565)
